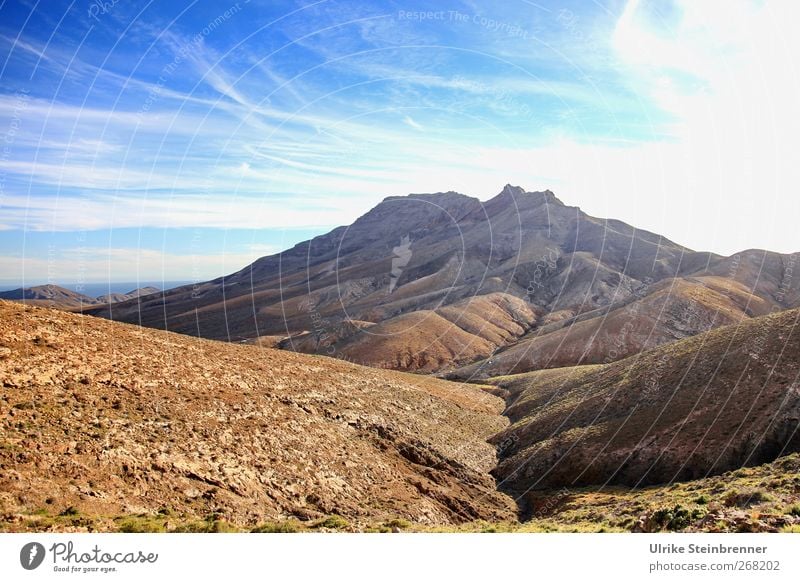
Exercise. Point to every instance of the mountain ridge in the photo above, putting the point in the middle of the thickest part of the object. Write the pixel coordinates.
(51, 295)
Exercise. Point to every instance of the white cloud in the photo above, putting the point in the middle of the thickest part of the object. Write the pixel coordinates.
(728, 72)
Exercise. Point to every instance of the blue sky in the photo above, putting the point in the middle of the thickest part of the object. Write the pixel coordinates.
(150, 140)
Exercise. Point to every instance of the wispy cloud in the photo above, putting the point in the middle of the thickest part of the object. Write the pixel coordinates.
(311, 115)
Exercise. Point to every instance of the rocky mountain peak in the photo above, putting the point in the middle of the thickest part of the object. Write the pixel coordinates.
(517, 198)
(508, 189)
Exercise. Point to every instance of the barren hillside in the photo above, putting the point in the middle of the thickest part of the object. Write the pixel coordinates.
(103, 419)
(665, 312)
(700, 406)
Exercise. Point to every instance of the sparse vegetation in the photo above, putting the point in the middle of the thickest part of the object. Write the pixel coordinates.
(674, 519)
(140, 524)
(745, 498)
(331, 522)
(278, 527)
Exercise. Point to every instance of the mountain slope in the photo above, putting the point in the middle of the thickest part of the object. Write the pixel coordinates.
(119, 297)
(426, 252)
(425, 340)
(670, 310)
(114, 419)
(717, 401)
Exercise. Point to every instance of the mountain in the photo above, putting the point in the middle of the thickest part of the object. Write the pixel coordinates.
(49, 296)
(419, 283)
(62, 298)
(100, 419)
(119, 297)
(718, 401)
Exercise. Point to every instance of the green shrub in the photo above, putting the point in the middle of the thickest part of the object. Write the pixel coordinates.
(794, 510)
(745, 498)
(332, 522)
(675, 518)
(398, 523)
(220, 526)
(140, 525)
(277, 527)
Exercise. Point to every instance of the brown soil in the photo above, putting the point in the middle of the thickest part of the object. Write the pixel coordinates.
(112, 419)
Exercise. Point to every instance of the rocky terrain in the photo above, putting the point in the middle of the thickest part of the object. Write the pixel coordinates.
(753, 499)
(718, 401)
(765, 498)
(100, 418)
(395, 289)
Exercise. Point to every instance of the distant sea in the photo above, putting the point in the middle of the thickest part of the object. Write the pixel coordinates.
(97, 289)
